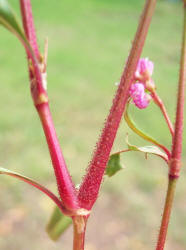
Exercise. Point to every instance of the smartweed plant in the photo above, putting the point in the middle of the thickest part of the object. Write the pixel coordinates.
(136, 87)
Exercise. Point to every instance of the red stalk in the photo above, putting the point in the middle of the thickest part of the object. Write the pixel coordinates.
(161, 105)
(178, 137)
(40, 98)
(28, 24)
(37, 89)
(66, 188)
(175, 162)
(79, 225)
(90, 186)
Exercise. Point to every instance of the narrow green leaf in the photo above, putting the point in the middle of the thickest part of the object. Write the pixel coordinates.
(113, 165)
(9, 20)
(35, 184)
(58, 224)
(148, 150)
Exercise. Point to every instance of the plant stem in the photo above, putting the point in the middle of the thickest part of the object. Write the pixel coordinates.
(28, 24)
(79, 225)
(161, 105)
(65, 185)
(175, 162)
(166, 213)
(90, 186)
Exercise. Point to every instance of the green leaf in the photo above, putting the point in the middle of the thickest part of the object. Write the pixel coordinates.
(148, 150)
(58, 224)
(113, 165)
(9, 20)
(35, 184)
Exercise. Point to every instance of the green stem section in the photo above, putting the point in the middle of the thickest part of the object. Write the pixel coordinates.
(146, 137)
(166, 214)
(79, 224)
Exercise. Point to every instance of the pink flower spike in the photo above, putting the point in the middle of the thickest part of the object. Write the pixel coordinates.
(144, 69)
(139, 97)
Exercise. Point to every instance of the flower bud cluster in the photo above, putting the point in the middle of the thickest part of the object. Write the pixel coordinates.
(142, 84)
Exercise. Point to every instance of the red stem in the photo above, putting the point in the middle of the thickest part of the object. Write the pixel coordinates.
(90, 186)
(28, 24)
(178, 137)
(40, 98)
(79, 225)
(65, 186)
(37, 89)
(161, 105)
(175, 162)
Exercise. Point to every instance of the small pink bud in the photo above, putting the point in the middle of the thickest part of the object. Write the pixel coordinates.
(144, 69)
(139, 97)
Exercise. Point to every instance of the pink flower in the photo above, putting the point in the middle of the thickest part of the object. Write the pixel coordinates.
(144, 70)
(138, 95)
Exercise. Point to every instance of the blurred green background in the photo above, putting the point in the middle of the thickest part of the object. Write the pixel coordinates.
(89, 41)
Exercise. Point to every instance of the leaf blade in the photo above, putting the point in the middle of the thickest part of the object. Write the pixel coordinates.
(9, 20)
(57, 224)
(113, 165)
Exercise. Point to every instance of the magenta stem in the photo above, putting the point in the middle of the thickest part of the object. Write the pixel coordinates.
(90, 185)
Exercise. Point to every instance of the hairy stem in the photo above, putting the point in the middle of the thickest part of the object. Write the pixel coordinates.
(175, 162)
(79, 225)
(90, 186)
